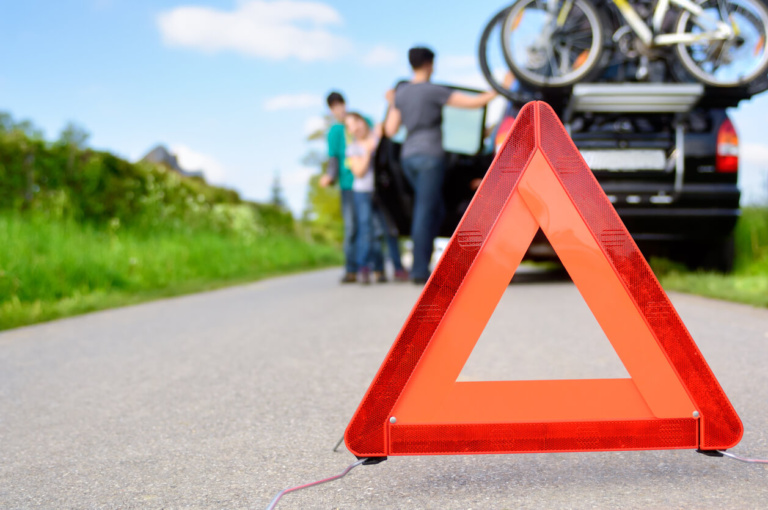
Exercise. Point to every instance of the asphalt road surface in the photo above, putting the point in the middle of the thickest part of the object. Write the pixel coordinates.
(221, 399)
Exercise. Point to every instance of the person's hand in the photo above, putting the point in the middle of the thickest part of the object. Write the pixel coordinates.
(509, 78)
(370, 144)
(325, 180)
(390, 96)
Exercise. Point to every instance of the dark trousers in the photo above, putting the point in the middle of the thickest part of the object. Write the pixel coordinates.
(426, 175)
(383, 232)
(350, 230)
(364, 236)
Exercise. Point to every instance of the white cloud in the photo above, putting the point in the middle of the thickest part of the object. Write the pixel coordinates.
(473, 80)
(295, 182)
(292, 102)
(456, 62)
(191, 160)
(298, 177)
(459, 70)
(753, 173)
(277, 30)
(379, 56)
(314, 124)
(756, 153)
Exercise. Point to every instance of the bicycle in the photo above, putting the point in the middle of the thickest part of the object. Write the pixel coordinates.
(556, 43)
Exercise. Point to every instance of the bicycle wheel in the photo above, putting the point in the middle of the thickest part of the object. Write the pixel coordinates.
(553, 43)
(731, 62)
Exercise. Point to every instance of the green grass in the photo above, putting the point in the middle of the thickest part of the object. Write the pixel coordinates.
(749, 289)
(749, 281)
(51, 269)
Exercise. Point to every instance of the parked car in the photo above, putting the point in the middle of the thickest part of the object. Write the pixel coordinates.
(670, 169)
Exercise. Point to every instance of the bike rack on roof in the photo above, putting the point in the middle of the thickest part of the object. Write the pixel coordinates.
(710, 97)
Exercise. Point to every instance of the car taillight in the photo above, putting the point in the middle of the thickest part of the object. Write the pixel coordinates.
(727, 159)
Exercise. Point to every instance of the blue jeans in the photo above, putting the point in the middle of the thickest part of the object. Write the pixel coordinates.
(381, 232)
(426, 175)
(364, 238)
(350, 230)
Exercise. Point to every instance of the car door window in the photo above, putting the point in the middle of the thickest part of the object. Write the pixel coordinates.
(463, 130)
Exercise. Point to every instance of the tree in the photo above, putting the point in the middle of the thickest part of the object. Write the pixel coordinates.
(323, 209)
(323, 212)
(74, 136)
(277, 192)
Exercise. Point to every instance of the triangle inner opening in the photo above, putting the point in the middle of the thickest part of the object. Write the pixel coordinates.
(541, 325)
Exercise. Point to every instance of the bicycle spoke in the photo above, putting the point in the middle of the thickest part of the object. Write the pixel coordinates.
(724, 14)
(584, 35)
(552, 62)
(573, 21)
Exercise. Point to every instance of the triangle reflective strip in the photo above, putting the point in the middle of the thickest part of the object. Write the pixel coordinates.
(416, 406)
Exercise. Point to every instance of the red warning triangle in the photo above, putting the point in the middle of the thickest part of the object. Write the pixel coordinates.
(416, 406)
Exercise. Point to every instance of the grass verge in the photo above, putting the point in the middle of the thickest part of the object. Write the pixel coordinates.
(748, 289)
(749, 281)
(52, 269)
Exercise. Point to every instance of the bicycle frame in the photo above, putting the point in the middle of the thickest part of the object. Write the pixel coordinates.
(722, 31)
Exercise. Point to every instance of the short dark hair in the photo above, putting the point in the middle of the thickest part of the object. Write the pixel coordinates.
(334, 98)
(419, 56)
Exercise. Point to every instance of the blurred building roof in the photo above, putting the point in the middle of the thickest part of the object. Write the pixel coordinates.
(160, 155)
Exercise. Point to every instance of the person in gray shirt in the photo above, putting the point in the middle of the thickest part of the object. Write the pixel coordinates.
(418, 105)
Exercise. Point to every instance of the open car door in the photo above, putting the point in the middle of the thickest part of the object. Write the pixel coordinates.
(466, 161)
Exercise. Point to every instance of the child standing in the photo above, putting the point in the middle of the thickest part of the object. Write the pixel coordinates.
(359, 156)
(337, 170)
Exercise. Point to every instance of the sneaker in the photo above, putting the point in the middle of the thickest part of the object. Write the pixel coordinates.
(349, 278)
(401, 275)
(420, 281)
(379, 277)
(365, 276)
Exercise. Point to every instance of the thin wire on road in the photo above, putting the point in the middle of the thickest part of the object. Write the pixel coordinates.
(283, 492)
(743, 459)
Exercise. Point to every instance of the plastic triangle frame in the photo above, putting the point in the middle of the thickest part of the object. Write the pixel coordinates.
(415, 405)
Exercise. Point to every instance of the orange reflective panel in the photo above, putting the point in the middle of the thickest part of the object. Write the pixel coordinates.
(415, 404)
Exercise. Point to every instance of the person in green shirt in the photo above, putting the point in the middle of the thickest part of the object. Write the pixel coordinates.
(337, 170)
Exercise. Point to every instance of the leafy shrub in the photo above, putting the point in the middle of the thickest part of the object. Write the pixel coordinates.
(63, 179)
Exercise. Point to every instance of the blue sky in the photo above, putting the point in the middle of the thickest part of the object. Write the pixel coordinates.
(233, 86)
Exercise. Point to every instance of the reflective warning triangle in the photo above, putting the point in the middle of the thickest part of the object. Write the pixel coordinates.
(416, 406)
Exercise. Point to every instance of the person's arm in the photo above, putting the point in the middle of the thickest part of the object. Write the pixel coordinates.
(331, 172)
(461, 100)
(378, 130)
(359, 165)
(393, 120)
(334, 158)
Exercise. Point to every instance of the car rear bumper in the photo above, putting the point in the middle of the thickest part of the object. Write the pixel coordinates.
(659, 224)
(699, 211)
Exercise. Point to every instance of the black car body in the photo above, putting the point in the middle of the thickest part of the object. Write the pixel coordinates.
(671, 175)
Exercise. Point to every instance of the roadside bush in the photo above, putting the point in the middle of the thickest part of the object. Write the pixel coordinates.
(751, 238)
(63, 179)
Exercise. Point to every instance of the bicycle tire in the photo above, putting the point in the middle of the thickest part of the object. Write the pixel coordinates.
(756, 72)
(593, 64)
(485, 69)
